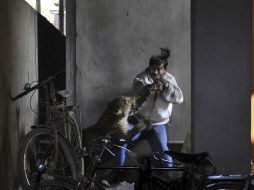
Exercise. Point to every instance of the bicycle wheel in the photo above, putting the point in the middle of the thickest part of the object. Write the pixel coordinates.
(225, 185)
(36, 147)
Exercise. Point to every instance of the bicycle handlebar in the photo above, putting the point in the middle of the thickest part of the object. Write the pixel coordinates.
(37, 86)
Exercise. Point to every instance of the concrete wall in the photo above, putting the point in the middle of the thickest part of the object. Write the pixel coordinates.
(115, 40)
(71, 50)
(18, 65)
(221, 46)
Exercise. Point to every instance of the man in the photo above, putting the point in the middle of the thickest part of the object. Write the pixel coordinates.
(159, 92)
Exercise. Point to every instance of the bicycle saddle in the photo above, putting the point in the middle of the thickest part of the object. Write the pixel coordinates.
(187, 158)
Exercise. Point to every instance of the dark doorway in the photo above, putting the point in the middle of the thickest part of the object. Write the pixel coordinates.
(51, 55)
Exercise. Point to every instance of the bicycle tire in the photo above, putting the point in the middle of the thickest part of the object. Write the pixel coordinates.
(74, 136)
(225, 185)
(28, 157)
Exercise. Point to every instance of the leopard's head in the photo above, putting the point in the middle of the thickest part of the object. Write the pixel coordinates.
(114, 117)
(127, 105)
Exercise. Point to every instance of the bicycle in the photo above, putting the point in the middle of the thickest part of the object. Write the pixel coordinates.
(55, 144)
(55, 148)
(198, 174)
(145, 180)
(87, 181)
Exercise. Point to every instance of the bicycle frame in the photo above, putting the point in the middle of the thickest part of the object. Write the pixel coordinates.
(60, 120)
(56, 111)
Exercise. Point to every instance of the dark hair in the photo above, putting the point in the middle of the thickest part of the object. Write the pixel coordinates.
(155, 60)
(162, 58)
(165, 53)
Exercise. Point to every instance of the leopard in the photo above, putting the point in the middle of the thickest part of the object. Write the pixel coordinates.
(113, 122)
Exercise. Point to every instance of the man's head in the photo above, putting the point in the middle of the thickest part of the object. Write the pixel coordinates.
(158, 63)
(156, 67)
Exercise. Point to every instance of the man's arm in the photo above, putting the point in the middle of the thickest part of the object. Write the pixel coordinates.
(170, 91)
(140, 85)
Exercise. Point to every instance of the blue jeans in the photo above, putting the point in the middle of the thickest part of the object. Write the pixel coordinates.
(156, 137)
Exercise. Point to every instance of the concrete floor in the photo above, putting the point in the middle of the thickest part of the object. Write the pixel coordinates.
(122, 186)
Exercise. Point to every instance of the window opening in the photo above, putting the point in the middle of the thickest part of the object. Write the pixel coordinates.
(53, 10)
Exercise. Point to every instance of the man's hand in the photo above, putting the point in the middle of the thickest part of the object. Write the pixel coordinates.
(157, 86)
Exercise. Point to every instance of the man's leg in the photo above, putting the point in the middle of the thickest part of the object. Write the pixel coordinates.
(118, 160)
(120, 153)
(158, 141)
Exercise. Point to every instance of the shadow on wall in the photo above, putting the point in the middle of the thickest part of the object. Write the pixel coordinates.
(18, 65)
(7, 168)
(8, 139)
(11, 131)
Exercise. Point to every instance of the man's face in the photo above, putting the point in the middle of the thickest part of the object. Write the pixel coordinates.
(156, 71)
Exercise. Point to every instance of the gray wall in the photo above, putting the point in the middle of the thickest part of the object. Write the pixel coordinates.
(18, 65)
(119, 36)
(221, 46)
(115, 40)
